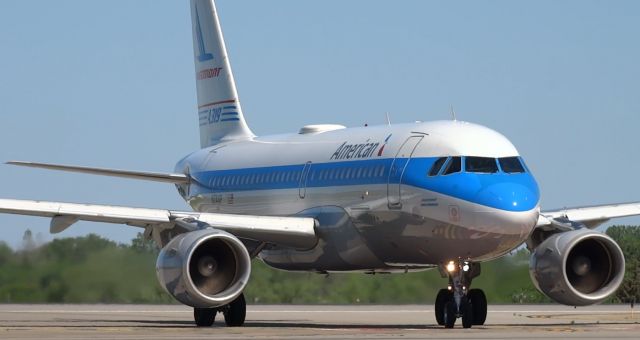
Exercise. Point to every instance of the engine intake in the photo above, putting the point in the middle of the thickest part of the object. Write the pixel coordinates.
(204, 268)
(577, 268)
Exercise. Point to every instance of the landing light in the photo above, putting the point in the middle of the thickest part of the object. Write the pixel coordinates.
(465, 267)
(451, 266)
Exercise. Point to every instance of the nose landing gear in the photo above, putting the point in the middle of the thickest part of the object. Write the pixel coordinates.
(458, 301)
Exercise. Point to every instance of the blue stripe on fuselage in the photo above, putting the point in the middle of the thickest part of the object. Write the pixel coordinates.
(511, 192)
(288, 176)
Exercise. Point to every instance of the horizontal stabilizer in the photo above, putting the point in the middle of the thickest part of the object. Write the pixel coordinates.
(147, 176)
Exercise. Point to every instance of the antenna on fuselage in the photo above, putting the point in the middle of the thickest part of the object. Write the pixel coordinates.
(388, 120)
(453, 113)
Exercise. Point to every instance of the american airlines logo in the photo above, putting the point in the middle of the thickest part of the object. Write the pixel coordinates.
(365, 150)
(355, 151)
(351, 151)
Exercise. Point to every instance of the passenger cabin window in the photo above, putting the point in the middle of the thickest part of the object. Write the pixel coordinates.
(435, 169)
(370, 171)
(481, 164)
(454, 165)
(511, 165)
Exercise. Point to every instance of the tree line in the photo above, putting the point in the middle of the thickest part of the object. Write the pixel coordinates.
(91, 269)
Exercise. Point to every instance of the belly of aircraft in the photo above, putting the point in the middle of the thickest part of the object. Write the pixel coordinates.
(358, 231)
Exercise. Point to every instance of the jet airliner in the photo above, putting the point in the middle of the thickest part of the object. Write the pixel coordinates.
(442, 195)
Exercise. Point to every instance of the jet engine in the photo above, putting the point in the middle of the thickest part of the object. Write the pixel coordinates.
(577, 268)
(204, 268)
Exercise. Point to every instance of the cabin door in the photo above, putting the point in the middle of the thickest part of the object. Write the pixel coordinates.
(396, 172)
(302, 186)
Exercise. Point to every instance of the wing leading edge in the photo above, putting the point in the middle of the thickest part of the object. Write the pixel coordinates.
(295, 232)
(589, 216)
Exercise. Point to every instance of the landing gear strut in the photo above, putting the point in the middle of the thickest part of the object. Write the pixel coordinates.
(458, 301)
(234, 313)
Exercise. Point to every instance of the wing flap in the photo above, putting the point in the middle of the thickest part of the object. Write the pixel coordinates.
(297, 232)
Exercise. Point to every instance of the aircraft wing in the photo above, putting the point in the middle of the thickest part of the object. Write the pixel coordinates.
(591, 216)
(295, 232)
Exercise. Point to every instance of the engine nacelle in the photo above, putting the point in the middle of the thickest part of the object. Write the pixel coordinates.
(204, 268)
(577, 268)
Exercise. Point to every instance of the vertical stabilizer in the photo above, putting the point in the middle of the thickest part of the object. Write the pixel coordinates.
(219, 109)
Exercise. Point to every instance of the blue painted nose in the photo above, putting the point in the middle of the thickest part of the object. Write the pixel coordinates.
(511, 193)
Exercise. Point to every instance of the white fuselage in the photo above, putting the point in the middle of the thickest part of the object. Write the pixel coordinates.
(369, 189)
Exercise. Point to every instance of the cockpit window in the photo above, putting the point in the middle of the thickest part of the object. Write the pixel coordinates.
(481, 164)
(435, 169)
(511, 165)
(454, 165)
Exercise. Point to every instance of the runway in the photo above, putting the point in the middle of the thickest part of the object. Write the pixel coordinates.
(313, 322)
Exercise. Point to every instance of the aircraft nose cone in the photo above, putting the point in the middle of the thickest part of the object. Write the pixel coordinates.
(514, 200)
(510, 196)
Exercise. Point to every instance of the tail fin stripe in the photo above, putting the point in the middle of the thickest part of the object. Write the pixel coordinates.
(217, 103)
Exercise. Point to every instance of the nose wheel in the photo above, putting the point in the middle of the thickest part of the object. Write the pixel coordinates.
(479, 306)
(444, 296)
(458, 301)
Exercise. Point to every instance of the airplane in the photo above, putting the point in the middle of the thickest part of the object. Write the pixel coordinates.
(394, 198)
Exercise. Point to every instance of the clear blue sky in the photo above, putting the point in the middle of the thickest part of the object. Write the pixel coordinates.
(111, 83)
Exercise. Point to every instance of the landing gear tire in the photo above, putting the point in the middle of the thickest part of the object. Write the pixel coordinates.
(235, 312)
(466, 309)
(479, 306)
(444, 295)
(204, 317)
(449, 314)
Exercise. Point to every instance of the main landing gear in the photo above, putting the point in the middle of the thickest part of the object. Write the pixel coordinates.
(458, 301)
(234, 313)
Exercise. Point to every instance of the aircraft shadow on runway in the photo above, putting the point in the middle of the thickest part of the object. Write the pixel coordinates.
(82, 323)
